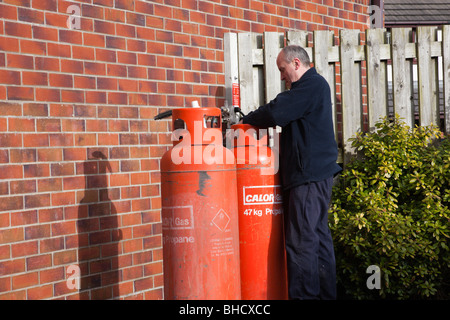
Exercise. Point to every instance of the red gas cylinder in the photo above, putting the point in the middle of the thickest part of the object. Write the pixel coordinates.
(199, 210)
(261, 235)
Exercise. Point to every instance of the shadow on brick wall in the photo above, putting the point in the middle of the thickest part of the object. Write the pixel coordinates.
(98, 234)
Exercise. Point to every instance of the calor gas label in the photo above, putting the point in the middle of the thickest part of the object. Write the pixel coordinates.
(262, 195)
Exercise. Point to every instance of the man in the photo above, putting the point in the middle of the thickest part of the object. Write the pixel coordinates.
(308, 154)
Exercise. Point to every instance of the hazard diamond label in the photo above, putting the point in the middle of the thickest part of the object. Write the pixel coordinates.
(221, 220)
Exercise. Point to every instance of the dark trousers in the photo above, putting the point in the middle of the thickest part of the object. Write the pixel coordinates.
(309, 246)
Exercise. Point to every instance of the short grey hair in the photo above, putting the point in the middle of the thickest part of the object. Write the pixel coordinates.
(293, 51)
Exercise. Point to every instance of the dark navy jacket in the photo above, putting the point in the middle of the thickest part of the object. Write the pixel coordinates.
(308, 150)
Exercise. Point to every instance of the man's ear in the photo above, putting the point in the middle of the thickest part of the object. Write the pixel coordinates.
(297, 63)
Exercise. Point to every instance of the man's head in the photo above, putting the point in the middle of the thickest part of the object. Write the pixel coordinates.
(293, 61)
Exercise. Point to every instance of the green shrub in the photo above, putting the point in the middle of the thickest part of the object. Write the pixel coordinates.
(391, 208)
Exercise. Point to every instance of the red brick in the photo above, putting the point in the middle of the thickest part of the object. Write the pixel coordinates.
(51, 275)
(83, 53)
(92, 11)
(75, 125)
(13, 234)
(48, 125)
(49, 5)
(46, 94)
(21, 124)
(36, 201)
(17, 29)
(35, 109)
(71, 66)
(9, 77)
(137, 72)
(11, 171)
(105, 55)
(72, 96)
(62, 169)
(126, 31)
(50, 245)
(143, 284)
(63, 199)
(51, 64)
(24, 249)
(44, 33)
(95, 97)
(64, 257)
(115, 43)
(94, 68)
(116, 70)
(24, 186)
(34, 78)
(63, 228)
(124, 4)
(62, 140)
(117, 98)
(36, 170)
(23, 155)
(26, 280)
(36, 140)
(84, 82)
(96, 40)
(19, 61)
(33, 47)
(106, 27)
(8, 12)
(59, 50)
(9, 44)
(47, 185)
(71, 36)
(49, 154)
(42, 292)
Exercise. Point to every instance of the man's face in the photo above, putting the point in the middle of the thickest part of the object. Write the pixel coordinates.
(288, 70)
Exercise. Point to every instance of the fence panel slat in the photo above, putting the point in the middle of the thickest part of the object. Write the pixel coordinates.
(323, 40)
(245, 61)
(231, 65)
(446, 75)
(427, 74)
(299, 38)
(376, 77)
(401, 75)
(273, 42)
(350, 89)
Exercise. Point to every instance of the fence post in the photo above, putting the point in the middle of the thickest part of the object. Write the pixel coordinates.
(401, 75)
(273, 42)
(231, 65)
(350, 89)
(323, 40)
(376, 77)
(299, 38)
(446, 75)
(245, 62)
(427, 76)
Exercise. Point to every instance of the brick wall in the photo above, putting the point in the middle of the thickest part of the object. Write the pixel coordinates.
(79, 151)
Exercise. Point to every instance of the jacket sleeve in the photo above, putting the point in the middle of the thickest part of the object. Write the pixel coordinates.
(261, 117)
(286, 107)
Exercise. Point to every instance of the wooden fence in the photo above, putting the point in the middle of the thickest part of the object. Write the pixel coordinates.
(388, 57)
